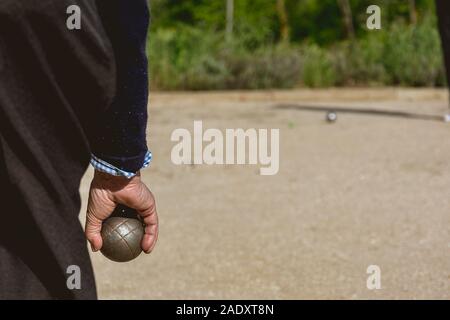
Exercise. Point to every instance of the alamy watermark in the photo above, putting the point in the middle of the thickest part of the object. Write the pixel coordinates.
(374, 20)
(374, 279)
(212, 146)
(73, 281)
(73, 22)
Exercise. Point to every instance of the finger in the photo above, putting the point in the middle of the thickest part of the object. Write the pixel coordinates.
(99, 208)
(93, 232)
(151, 232)
(147, 210)
(145, 205)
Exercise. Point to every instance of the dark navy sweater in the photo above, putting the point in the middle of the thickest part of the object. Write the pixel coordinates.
(122, 134)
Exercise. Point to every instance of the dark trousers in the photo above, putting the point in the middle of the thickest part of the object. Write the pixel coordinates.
(54, 83)
(443, 12)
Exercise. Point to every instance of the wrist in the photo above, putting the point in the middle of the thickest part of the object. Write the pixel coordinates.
(103, 166)
(110, 182)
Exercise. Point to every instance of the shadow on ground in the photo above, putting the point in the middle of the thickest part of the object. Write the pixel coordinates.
(370, 112)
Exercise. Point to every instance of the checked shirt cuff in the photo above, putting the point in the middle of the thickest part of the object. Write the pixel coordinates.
(105, 167)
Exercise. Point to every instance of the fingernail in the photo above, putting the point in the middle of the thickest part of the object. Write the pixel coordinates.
(93, 249)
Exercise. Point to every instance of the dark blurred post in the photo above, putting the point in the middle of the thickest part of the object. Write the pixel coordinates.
(230, 19)
(443, 12)
(348, 18)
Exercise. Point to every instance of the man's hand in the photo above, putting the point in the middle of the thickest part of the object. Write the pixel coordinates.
(106, 192)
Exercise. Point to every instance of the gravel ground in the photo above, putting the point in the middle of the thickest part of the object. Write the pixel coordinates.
(369, 189)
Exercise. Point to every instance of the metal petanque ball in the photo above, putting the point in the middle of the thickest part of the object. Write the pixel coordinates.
(447, 117)
(331, 116)
(122, 234)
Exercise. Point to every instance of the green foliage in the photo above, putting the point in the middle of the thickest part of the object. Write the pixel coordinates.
(256, 16)
(317, 69)
(315, 21)
(401, 54)
(412, 55)
(361, 62)
(191, 59)
(188, 50)
(272, 67)
(184, 58)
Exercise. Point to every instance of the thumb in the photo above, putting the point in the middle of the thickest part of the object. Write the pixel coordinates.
(99, 208)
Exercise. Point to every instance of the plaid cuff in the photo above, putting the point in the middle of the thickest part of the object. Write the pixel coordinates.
(105, 167)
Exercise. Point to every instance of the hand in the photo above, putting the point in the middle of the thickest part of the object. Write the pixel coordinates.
(106, 192)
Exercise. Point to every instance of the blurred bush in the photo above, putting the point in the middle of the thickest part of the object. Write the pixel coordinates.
(412, 55)
(361, 62)
(318, 68)
(271, 67)
(192, 58)
(185, 58)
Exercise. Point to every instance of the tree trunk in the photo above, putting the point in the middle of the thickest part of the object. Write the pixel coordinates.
(348, 18)
(230, 19)
(284, 20)
(412, 12)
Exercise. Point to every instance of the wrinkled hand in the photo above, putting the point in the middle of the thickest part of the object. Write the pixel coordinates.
(106, 192)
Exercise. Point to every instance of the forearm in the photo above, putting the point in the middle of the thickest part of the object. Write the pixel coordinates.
(121, 136)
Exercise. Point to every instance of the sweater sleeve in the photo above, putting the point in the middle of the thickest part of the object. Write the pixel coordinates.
(121, 136)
